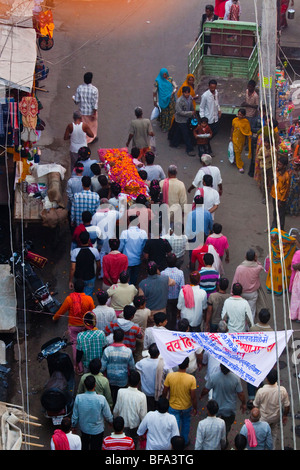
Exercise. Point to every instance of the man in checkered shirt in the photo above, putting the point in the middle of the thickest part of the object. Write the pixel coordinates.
(86, 97)
(84, 201)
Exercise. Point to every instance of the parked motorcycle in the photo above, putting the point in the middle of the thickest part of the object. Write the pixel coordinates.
(22, 266)
(58, 395)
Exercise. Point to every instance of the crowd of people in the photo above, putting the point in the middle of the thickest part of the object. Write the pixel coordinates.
(122, 377)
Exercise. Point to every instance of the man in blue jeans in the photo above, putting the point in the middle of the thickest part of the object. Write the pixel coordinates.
(183, 401)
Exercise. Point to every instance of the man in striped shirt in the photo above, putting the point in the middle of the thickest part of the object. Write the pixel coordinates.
(91, 342)
(131, 330)
(209, 277)
(86, 97)
(84, 201)
(118, 440)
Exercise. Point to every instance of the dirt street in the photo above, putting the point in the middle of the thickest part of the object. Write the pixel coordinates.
(125, 43)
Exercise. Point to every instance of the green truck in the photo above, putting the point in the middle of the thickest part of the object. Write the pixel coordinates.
(231, 59)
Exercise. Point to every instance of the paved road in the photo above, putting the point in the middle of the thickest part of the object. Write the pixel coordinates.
(125, 43)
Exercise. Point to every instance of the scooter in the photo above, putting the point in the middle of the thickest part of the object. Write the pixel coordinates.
(22, 266)
(58, 395)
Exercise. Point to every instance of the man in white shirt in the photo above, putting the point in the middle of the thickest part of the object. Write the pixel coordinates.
(236, 311)
(160, 426)
(64, 434)
(207, 169)
(131, 404)
(192, 302)
(211, 431)
(210, 108)
(104, 314)
(211, 197)
(147, 367)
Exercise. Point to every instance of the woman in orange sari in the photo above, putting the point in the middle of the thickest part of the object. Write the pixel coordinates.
(240, 130)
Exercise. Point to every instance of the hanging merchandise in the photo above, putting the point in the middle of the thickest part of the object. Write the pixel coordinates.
(44, 27)
(28, 107)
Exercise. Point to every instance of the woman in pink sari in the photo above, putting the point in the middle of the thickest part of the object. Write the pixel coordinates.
(294, 286)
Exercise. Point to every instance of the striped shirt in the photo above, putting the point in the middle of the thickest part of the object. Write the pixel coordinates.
(208, 279)
(178, 276)
(118, 442)
(91, 343)
(116, 360)
(84, 201)
(87, 97)
(131, 331)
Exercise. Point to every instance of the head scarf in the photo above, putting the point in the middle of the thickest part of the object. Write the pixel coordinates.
(186, 83)
(165, 89)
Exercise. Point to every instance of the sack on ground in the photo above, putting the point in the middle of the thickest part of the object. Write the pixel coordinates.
(230, 153)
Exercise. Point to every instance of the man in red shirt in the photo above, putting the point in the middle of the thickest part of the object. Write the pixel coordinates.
(113, 264)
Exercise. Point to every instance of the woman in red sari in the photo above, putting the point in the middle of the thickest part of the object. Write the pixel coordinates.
(220, 8)
(284, 5)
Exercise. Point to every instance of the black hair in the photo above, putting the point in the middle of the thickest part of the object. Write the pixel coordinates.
(237, 289)
(204, 119)
(118, 335)
(272, 376)
(208, 259)
(84, 237)
(186, 88)
(129, 311)
(250, 255)
(90, 382)
(213, 407)
(88, 77)
(178, 443)
(139, 300)
(162, 405)
(152, 268)
(159, 317)
(86, 181)
(264, 315)
(208, 180)
(114, 243)
(135, 152)
(198, 199)
(223, 283)
(183, 324)
(149, 157)
(217, 228)
(212, 81)
(124, 277)
(143, 175)
(134, 378)
(95, 366)
(95, 168)
(171, 260)
(102, 297)
(153, 350)
(86, 216)
(118, 423)
(242, 111)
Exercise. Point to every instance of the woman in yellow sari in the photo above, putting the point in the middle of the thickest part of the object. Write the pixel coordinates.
(239, 131)
(289, 244)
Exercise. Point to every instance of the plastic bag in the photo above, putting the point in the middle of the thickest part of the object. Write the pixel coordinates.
(230, 152)
(155, 113)
(152, 143)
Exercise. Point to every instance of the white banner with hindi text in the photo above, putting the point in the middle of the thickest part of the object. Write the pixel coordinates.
(250, 355)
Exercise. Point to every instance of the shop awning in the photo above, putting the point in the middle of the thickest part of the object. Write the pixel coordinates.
(18, 53)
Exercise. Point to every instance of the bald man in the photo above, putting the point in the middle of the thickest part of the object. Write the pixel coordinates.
(257, 432)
